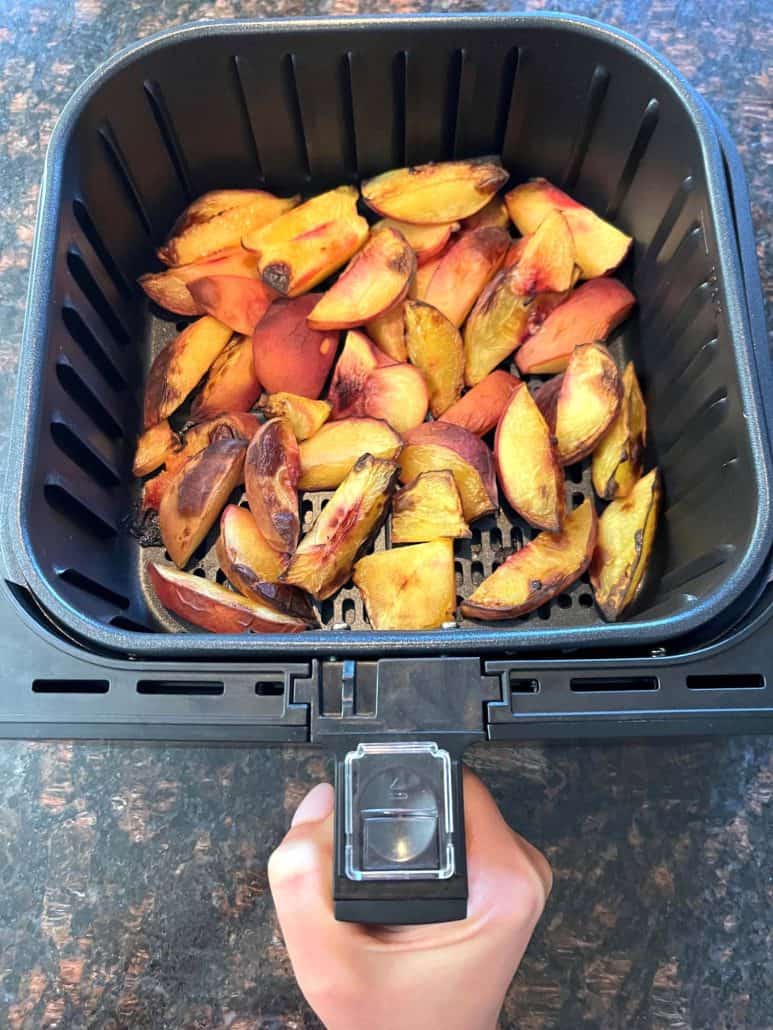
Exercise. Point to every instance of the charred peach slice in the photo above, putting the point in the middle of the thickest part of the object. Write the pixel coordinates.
(271, 472)
(592, 311)
(527, 465)
(153, 447)
(625, 541)
(306, 245)
(617, 460)
(289, 356)
(481, 407)
(494, 214)
(305, 416)
(463, 271)
(180, 365)
(388, 332)
(215, 608)
(412, 588)
(324, 558)
(435, 348)
(427, 508)
(432, 193)
(375, 279)
(237, 302)
(441, 445)
(537, 572)
(600, 246)
(197, 494)
(170, 289)
(426, 241)
(231, 383)
(218, 220)
(329, 455)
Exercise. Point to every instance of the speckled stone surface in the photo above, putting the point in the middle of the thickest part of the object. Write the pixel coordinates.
(132, 879)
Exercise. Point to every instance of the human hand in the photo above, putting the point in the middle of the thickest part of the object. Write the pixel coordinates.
(453, 975)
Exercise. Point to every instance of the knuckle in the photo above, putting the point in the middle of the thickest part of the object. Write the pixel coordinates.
(296, 859)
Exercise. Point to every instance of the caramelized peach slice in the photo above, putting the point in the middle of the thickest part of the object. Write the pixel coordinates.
(625, 541)
(305, 416)
(324, 558)
(514, 252)
(329, 455)
(418, 288)
(426, 241)
(427, 508)
(215, 608)
(237, 302)
(153, 447)
(481, 407)
(271, 473)
(432, 193)
(493, 214)
(592, 311)
(412, 588)
(617, 460)
(527, 465)
(435, 348)
(388, 332)
(179, 366)
(375, 279)
(581, 404)
(306, 245)
(463, 271)
(231, 384)
(537, 572)
(218, 220)
(442, 445)
(197, 494)
(170, 289)
(289, 356)
(600, 246)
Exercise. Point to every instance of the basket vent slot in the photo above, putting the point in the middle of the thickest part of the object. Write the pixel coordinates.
(245, 113)
(122, 622)
(96, 297)
(92, 234)
(669, 219)
(184, 688)
(522, 685)
(63, 502)
(83, 456)
(120, 164)
(697, 567)
(92, 348)
(169, 136)
(597, 90)
(91, 586)
(270, 688)
(727, 681)
(290, 88)
(64, 686)
(647, 127)
(606, 684)
(75, 388)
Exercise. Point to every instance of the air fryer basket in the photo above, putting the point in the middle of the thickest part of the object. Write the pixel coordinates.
(304, 105)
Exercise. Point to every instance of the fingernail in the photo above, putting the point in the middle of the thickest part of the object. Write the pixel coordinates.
(317, 805)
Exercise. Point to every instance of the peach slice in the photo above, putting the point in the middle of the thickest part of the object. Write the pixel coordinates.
(289, 356)
(170, 289)
(388, 332)
(427, 508)
(463, 271)
(329, 455)
(324, 558)
(538, 571)
(625, 541)
(600, 246)
(580, 404)
(527, 464)
(179, 366)
(426, 241)
(239, 303)
(592, 311)
(153, 446)
(442, 445)
(271, 472)
(215, 608)
(306, 245)
(617, 460)
(231, 383)
(481, 407)
(218, 220)
(196, 496)
(514, 252)
(305, 416)
(412, 588)
(375, 279)
(494, 214)
(432, 193)
(435, 348)
(418, 288)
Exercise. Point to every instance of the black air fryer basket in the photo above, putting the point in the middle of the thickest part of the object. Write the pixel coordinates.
(302, 106)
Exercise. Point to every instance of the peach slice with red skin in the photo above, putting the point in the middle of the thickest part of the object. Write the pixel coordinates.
(413, 588)
(538, 571)
(480, 409)
(329, 455)
(426, 241)
(426, 508)
(237, 302)
(527, 464)
(214, 608)
(463, 271)
(418, 288)
(375, 280)
(170, 291)
(305, 415)
(494, 214)
(433, 193)
(600, 246)
(514, 252)
(153, 446)
(441, 445)
(289, 356)
(617, 459)
(388, 332)
(324, 558)
(272, 469)
(179, 366)
(231, 383)
(197, 494)
(591, 312)
(435, 347)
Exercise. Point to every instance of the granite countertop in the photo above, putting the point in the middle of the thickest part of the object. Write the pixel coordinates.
(133, 888)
